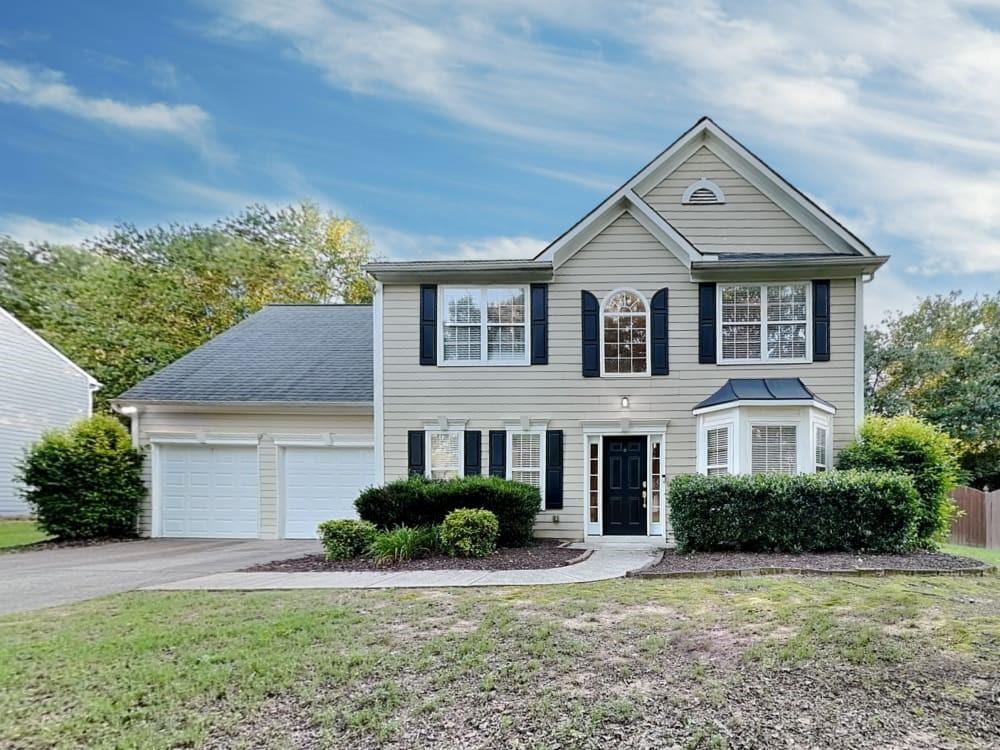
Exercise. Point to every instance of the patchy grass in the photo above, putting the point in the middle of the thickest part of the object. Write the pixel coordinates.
(990, 556)
(20, 533)
(712, 663)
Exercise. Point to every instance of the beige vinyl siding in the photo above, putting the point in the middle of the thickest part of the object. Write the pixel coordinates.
(39, 390)
(623, 255)
(264, 425)
(748, 221)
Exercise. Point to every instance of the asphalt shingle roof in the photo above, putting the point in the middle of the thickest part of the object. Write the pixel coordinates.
(760, 389)
(291, 353)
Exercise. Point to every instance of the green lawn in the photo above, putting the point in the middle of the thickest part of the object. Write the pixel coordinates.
(19, 533)
(991, 556)
(764, 662)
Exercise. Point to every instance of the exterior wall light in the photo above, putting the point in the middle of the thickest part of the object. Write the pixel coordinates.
(625, 402)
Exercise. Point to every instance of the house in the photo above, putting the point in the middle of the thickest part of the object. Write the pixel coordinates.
(40, 389)
(706, 316)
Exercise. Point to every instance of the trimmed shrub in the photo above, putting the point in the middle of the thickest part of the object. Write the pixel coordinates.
(841, 510)
(346, 538)
(469, 532)
(420, 502)
(403, 543)
(920, 450)
(84, 482)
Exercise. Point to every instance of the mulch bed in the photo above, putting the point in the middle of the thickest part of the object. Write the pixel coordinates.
(543, 554)
(734, 563)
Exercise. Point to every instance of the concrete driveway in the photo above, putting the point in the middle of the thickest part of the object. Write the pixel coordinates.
(45, 578)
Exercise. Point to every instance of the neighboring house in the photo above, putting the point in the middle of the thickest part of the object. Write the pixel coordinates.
(705, 317)
(40, 389)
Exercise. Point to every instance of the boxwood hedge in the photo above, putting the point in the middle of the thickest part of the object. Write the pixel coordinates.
(842, 510)
(422, 502)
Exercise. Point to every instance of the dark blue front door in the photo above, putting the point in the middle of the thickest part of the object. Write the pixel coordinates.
(624, 485)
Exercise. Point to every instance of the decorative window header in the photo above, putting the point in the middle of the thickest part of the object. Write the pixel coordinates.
(702, 192)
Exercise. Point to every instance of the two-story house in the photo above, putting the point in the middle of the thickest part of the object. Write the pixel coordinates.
(705, 317)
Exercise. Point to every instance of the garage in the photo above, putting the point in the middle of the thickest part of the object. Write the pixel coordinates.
(208, 491)
(322, 483)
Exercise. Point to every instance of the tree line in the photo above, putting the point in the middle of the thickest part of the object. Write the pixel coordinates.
(125, 304)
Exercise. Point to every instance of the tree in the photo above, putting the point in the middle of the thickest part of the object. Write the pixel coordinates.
(130, 302)
(941, 362)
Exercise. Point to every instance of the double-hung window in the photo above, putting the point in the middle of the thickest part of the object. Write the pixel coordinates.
(527, 458)
(773, 449)
(717, 450)
(445, 453)
(481, 325)
(819, 435)
(764, 322)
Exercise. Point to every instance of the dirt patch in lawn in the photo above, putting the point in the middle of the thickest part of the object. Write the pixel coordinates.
(708, 562)
(542, 555)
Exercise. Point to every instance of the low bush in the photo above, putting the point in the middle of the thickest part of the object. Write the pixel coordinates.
(842, 510)
(346, 538)
(403, 543)
(421, 502)
(469, 532)
(84, 482)
(920, 450)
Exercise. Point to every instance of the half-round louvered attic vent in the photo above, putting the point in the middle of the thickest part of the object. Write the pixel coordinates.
(703, 191)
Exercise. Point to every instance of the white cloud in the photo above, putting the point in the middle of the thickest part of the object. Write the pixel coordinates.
(888, 293)
(893, 108)
(593, 183)
(42, 88)
(27, 229)
(393, 244)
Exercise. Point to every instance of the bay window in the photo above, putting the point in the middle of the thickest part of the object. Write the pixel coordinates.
(445, 454)
(773, 449)
(527, 458)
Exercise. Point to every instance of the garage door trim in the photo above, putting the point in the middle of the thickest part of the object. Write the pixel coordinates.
(156, 474)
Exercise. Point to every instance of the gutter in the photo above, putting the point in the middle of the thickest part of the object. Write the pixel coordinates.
(780, 267)
(461, 270)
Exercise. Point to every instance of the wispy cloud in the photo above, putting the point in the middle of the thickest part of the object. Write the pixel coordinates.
(593, 183)
(28, 229)
(393, 244)
(893, 107)
(43, 88)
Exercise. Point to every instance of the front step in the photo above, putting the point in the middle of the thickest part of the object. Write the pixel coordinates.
(623, 542)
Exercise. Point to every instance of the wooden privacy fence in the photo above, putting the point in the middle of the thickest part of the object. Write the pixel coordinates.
(979, 524)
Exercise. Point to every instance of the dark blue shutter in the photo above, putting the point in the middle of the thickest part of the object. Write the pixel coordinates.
(539, 324)
(428, 324)
(415, 452)
(498, 453)
(660, 364)
(821, 321)
(473, 453)
(591, 324)
(553, 469)
(706, 323)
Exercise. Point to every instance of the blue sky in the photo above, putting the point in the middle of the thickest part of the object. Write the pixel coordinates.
(487, 131)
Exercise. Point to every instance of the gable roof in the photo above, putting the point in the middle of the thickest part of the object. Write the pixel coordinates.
(705, 133)
(283, 354)
(91, 380)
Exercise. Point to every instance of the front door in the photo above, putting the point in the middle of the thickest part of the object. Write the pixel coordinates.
(625, 485)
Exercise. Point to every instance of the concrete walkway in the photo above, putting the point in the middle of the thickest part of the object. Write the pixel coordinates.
(601, 565)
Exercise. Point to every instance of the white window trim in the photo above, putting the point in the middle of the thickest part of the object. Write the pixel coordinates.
(763, 325)
(484, 327)
(645, 303)
(539, 430)
(815, 423)
(779, 422)
(729, 423)
(436, 428)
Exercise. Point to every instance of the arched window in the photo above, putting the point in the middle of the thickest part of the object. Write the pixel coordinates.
(625, 330)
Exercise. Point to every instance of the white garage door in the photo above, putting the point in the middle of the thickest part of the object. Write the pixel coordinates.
(321, 484)
(208, 491)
